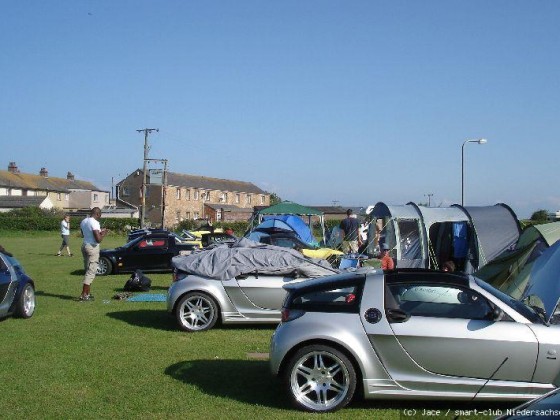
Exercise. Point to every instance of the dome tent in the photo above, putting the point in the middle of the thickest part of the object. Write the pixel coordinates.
(289, 208)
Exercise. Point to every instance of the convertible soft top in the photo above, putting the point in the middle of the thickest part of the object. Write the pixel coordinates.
(245, 256)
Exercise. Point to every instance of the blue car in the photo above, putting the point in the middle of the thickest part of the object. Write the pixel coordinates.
(17, 290)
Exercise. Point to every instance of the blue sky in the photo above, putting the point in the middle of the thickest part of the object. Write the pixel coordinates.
(319, 101)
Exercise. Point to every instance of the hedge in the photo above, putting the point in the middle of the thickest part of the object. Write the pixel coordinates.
(40, 220)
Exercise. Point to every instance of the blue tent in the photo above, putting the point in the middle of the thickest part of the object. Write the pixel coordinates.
(289, 222)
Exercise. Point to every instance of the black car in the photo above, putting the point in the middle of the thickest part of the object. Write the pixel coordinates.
(136, 233)
(17, 290)
(150, 252)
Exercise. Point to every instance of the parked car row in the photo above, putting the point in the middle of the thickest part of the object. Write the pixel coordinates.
(400, 334)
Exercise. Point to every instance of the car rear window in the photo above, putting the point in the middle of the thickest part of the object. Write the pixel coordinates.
(330, 298)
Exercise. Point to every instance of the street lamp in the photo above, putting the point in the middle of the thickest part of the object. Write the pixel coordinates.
(479, 141)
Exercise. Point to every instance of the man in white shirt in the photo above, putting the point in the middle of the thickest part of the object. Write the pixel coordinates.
(65, 234)
(93, 235)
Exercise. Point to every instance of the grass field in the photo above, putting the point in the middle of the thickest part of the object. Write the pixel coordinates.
(118, 359)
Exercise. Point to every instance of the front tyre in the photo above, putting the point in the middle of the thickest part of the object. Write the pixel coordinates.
(104, 267)
(320, 378)
(25, 305)
(196, 311)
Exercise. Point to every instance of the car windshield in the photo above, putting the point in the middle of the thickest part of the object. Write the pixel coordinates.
(525, 310)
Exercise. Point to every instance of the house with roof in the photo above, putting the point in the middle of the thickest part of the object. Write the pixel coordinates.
(18, 190)
(191, 197)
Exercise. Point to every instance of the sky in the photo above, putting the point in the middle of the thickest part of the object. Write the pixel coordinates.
(321, 102)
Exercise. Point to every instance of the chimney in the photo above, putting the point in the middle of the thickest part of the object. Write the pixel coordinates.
(12, 167)
(70, 176)
(44, 173)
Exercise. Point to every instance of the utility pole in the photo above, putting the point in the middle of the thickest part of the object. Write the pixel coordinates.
(146, 132)
(429, 199)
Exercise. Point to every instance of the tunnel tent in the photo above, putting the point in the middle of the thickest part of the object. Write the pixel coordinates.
(290, 208)
(449, 236)
(390, 224)
(429, 236)
(510, 271)
(497, 229)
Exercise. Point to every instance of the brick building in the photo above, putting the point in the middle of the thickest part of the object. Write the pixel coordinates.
(191, 197)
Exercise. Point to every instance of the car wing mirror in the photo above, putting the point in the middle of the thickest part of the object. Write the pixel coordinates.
(495, 314)
(397, 315)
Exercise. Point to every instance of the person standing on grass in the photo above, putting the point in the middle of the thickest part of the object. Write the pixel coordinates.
(65, 234)
(93, 235)
(350, 228)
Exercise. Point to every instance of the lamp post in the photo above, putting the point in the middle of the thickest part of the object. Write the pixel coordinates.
(479, 141)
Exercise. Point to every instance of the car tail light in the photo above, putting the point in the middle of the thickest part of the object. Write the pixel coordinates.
(290, 314)
(178, 275)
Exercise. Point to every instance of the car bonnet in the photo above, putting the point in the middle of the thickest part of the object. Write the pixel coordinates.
(543, 280)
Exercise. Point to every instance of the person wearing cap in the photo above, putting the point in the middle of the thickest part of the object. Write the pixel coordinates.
(350, 228)
(387, 262)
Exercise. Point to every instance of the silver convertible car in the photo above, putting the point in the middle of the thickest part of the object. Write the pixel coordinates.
(413, 334)
(238, 284)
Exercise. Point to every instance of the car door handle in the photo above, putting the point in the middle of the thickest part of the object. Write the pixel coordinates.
(397, 315)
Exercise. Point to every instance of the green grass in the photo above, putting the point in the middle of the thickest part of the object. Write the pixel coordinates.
(115, 359)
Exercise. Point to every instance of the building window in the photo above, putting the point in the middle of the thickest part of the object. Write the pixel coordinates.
(195, 195)
(125, 191)
(187, 194)
(59, 196)
(67, 197)
(196, 215)
(95, 198)
(207, 195)
(219, 214)
(178, 216)
(249, 198)
(237, 198)
(188, 215)
(223, 198)
(178, 193)
(263, 199)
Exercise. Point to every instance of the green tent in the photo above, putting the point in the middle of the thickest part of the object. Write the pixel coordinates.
(510, 271)
(289, 207)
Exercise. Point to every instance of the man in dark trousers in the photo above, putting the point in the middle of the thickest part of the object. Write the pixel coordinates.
(350, 227)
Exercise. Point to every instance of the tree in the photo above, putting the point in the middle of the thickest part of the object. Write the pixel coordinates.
(274, 199)
(540, 216)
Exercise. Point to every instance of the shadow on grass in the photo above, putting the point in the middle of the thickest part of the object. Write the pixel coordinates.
(156, 319)
(251, 382)
(245, 381)
(64, 297)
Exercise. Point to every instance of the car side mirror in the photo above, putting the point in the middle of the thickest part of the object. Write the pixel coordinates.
(495, 314)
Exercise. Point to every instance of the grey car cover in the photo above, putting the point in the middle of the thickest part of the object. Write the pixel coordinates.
(245, 256)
